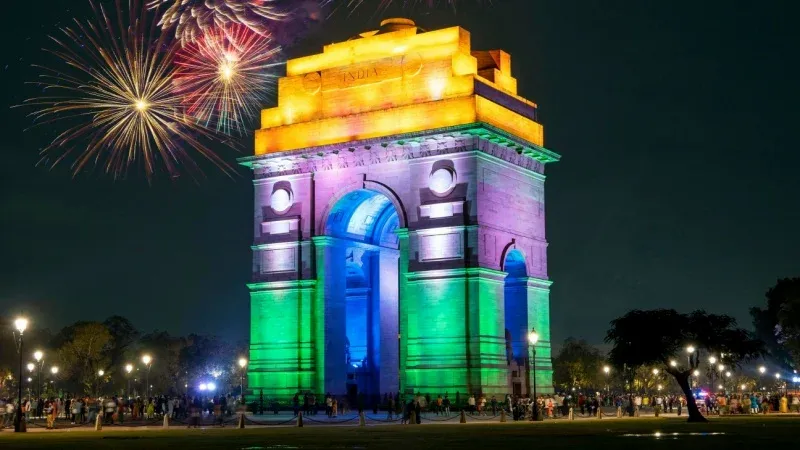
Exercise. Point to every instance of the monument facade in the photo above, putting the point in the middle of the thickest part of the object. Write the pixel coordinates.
(399, 223)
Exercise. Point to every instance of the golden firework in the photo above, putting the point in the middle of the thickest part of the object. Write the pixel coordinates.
(116, 94)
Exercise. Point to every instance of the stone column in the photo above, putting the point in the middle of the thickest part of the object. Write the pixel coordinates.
(386, 326)
(539, 318)
(330, 316)
(402, 336)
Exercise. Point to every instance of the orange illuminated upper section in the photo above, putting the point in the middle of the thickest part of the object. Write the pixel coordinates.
(392, 81)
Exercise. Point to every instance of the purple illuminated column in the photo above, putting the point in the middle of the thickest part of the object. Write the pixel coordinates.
(329, 316)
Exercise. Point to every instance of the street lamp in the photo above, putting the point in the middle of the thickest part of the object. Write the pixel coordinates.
(607, 370)
(38, 355)
(762, 369)
(128, 370)
(673, 363)
(689, 352)
(20, 324)
(147, 359)
(712, 360)
(242, 365)
(54, 371)
(533, 338)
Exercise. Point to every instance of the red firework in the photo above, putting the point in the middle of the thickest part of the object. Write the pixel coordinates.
(225, 77)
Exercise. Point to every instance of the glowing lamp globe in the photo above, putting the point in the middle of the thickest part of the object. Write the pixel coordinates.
(146, 359)
(128, 368)
(606, 369)
(762, 369)
(533, 337)
(21, 324)
(54, 370)
(31, 366)
(37, 355)
(101, 372)
(242, 362)
(690, 349)
(712, 360)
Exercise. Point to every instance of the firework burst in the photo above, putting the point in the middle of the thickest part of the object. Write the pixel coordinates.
(116, 94)
(224, 77)
(193, 18)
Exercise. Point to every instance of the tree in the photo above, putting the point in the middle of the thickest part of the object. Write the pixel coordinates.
(778, 324)
(577, 364)
(662, 339)
(123, 335)
(85, 351)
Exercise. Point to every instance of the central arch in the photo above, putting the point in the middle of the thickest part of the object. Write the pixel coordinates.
(364, 223)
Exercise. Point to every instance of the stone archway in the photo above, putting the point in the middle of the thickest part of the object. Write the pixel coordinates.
(358, 290)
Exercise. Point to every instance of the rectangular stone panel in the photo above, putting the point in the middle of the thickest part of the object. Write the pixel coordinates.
(441, 246)
(279, 260)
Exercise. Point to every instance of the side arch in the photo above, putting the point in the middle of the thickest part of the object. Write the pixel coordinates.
(506, 250)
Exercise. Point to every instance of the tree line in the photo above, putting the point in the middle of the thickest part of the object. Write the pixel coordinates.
(84, 350)
(663, 349)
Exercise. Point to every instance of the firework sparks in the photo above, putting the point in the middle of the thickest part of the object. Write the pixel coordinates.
(224, 77)
(194, 18)
(116, 93)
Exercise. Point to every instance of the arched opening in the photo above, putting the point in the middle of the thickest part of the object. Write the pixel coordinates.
(364, 223)
(516, 314)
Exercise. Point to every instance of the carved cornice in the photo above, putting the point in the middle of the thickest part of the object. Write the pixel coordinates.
(406, 147)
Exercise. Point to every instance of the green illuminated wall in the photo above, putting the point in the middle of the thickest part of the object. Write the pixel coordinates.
(282, 357)
(455, 333)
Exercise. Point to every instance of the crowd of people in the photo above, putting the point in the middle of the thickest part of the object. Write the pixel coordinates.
(116, 410)
(194, 409)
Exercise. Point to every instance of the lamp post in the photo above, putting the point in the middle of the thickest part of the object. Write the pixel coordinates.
(20, 324)
(711, 361)
(533, 338)
(655, 374)
(54, 371)
(606, 370)
(100, 374)
(128, 370)
(38, 355)
(242, 365)
(147, 360)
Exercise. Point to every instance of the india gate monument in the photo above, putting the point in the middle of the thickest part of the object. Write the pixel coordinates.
(399, 223)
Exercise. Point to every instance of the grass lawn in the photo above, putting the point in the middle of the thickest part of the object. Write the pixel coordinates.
(734, 432)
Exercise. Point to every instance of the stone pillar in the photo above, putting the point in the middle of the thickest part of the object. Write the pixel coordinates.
(386, 326)
(402, 303)
(330, 317)
(539, 318)
(281, 340)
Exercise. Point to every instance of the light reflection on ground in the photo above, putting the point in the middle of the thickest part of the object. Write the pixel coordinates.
(660, 435)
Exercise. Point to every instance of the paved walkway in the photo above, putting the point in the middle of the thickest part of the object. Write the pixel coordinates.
(286, 419)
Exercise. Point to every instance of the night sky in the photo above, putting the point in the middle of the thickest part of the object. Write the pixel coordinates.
(678, 185)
